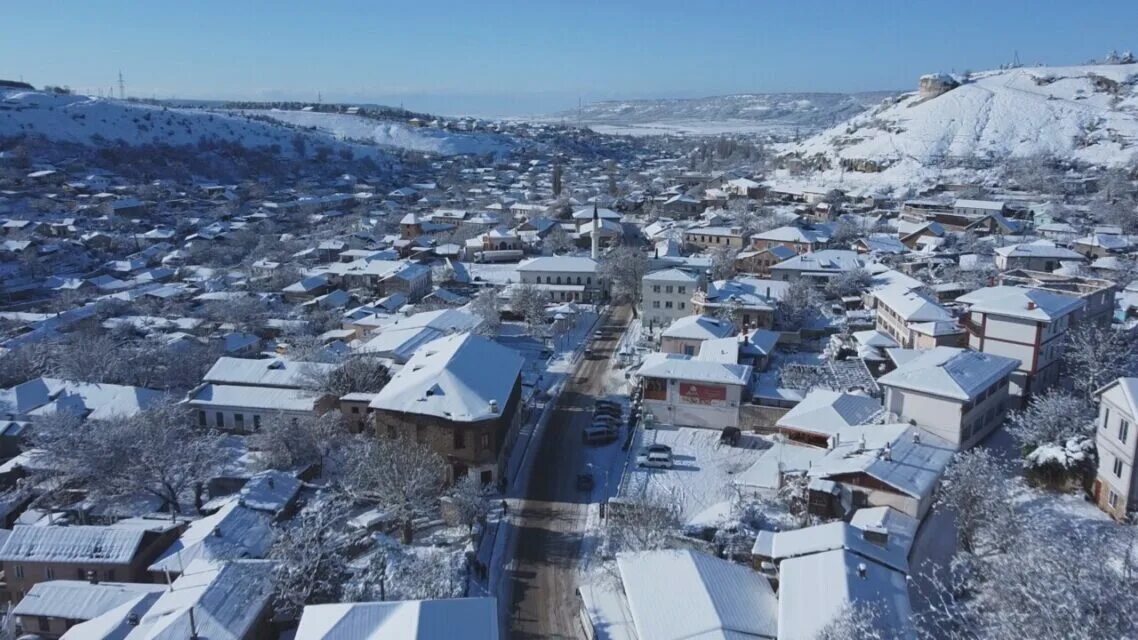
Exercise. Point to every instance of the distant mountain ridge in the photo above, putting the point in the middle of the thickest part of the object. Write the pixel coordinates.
(808, 112)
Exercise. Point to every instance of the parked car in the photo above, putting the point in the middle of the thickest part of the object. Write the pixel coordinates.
(730, 436)
(608, 409)
(655, 459)
(599, 434)
(607, 419)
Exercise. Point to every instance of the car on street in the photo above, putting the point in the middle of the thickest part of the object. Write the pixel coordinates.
(607, 409)
(599, 434)
(607, 418)
(585, 480)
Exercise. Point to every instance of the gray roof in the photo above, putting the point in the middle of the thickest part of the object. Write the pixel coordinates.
(267, 372)
(467, 618)
(1021, 302)
(824, 412)
(949, 372)
(79, 599)
(75, 544)
(671, 366)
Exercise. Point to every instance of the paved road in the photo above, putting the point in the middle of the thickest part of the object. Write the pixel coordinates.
(551, 520)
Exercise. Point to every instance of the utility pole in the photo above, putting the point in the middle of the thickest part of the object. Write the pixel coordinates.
(122, 87)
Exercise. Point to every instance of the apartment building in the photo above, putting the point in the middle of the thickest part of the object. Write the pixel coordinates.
(1116, 485)
(665, 296)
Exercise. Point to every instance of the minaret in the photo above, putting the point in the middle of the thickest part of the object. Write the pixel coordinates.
(596, 231)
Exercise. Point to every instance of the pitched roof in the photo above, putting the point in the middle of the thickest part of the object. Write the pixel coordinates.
(673, 366)
(563, 264)
(698, 328)
(950, 372)
(458, 378)
(1021, 302)
(77, 544)
(684, 594)
(914, 465)
(234, 532)
(468, 618)
(266, 372)
(912, 306)
(79, 599)
(96, 401)
(824, 412)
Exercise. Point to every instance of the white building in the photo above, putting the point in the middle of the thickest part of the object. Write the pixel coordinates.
(1029, 325)
(960, 396)
(687, 335)
(914, 320)
(564, 278)
(681, 390)
(238, 393)
(1116, 486)
(665, 296)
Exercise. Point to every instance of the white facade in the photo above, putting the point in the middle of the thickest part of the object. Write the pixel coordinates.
(565, 279)
(682, 391)
(961, 423)
(1116, 485)
(665, 296)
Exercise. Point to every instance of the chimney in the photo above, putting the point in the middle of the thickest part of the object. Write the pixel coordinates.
(493, 406)
(1030, 305)
(916, 437)
(875, 534)
(92, 576)
(596, 232)
(861, 569)
(887, 453)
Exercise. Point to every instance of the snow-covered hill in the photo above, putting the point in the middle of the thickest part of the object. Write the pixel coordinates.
(91, 120)
(393, 134)
(780, 113)
(1085, 113)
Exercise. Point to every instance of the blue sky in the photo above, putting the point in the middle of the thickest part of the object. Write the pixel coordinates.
(512, 58)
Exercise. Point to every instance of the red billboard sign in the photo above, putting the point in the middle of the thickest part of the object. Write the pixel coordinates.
(702, 393)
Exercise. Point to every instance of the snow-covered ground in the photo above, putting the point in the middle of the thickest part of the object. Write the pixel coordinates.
(1081, 113)
(87, 120)
(392, 134)
(702, 476)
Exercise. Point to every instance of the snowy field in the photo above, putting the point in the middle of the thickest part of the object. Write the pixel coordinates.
(391, 134)
(694, 128)
(702, 476)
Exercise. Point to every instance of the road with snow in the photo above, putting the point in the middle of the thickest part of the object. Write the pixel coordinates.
(552, 518)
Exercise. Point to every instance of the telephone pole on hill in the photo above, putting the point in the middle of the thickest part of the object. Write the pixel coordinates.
(122, 87)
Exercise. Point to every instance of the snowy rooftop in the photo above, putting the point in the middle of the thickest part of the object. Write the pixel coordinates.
(828, 260)
(815, 588)
(467, 618)
(267, 399)
(401, 336)
(913, 466)
(46, 395)
(269, 372)
(912, 305)
(232, 533)
(682, 594)
(748, 292)
(1021, 302)
(671, 275)
(789, 233)
(79, 599)
(562, 264)
(75, 544)
(698, 328)
(949, 372)
(673, 366)
(824, 412)
(1038, 249)
(896, 531)
(457, 377)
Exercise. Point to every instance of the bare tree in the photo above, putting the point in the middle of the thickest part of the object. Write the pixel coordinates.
(403, 476)
(860, 620)
(311, 557)
(295, 442)
(558, 240)
(529, 302)
(360, 373)
(470, 499)
(848, 283)
(976, 488)
(1095, 355)
(159, 452)
(485, 307)
(799, 301)
(1050, 417)
(722, 262)
(624, 268)
(643, 523)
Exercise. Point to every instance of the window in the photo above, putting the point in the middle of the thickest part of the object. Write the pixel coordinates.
(19, 571)
(668, 304)
(1105, 416)
(1112, 500)
(558, 279)
(689, 350)
(681, 289)
(256, 423)
(49, 573)
(201, 419)
(239, 421)
(355, 409)
(219, 419)
(655, 304)
(578, 279)
(668, 289)
(1123, 430)
(391, 431)
(484, 441)
(655, 288)
(681, 305)
(1118, 467)
(44, 623)
(459, 439)
(588, 281)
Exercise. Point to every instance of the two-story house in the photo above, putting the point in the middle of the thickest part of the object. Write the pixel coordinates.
(1029, 325)
(665, 296)
(238, 393)
(715, 236)
(564, 278)
(914, 320)
(687, 335)
(1116, 485)
(1041, 255)
(748, 302)
(958, 395)
(460, 395)
(798, 239)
